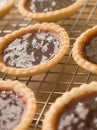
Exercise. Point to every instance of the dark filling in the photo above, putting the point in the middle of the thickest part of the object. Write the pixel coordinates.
(11, 110)
(90, 50)
(47, 5)
(31, 49)
(79, 114)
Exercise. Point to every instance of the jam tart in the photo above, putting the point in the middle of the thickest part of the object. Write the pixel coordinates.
(5, 6)
(49, 10)
(33, 49)
(85, 50)
(17, 105)
(74, 110)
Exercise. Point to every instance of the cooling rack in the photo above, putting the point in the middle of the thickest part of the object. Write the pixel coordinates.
(66, 74)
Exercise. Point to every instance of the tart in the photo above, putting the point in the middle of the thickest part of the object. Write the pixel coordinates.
(33, 49)
(74, 110)
(5, 6)
(49, 10)
(85, 50)
(17, 105)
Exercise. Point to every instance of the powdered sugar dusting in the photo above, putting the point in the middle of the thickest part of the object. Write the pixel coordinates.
(31, 49)
(48, 5)
(81, 111)
(81, 116)
(10, 111)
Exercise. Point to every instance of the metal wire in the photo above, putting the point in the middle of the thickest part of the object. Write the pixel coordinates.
(66, 74)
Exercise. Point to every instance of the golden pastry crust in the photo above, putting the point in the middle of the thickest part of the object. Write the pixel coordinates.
(77, 50)
(52, 115)
(5, 9)
(53, 15)
(28, 96)
(40, 68)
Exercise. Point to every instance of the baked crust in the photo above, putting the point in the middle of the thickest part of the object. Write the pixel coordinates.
(52, 115)
(53, 15)
(77, 50)
(40, 68)
(5, 9)
(28, 96)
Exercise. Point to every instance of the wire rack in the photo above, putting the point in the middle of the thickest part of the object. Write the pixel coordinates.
(66, 74)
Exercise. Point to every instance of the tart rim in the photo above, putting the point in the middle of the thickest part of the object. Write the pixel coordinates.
(29, 97)
(4, 10)
(77, 50)
(53, 15)
(40, 68)
(52, 115)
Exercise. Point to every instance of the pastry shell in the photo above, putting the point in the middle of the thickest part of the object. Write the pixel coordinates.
(52, 115)
(27, 95)
(77, 50)
(40, 68)
(5, 9)
(53, 15)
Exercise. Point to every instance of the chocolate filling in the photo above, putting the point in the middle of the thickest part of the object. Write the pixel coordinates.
(79, 114)
(3, 3)
(90, 50)
(31, 49)
(47, 5)
(11, 110)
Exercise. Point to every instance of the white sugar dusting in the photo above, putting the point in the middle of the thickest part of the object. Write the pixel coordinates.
(36, 44)
(81, 116)
(42, 43)
(25, 37)
(95, 122)
(81, 111)
(41, 36)
(95, 99)
(10, 111)
(19, 51)
(33, 6)
(81, 125)
(66, 121)
(44, 58)
(49, 39)
(53, 3)
(75, 120)
(44, 48)
(48, 5)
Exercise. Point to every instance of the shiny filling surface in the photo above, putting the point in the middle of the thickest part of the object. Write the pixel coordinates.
(79, 114)
(90, 50)
(11, 110)
(47, 5)
(31, 49)
(3, 3)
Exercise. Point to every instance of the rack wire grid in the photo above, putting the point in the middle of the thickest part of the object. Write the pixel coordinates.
(66, 74)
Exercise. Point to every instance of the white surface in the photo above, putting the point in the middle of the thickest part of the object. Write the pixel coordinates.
(3, 2)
